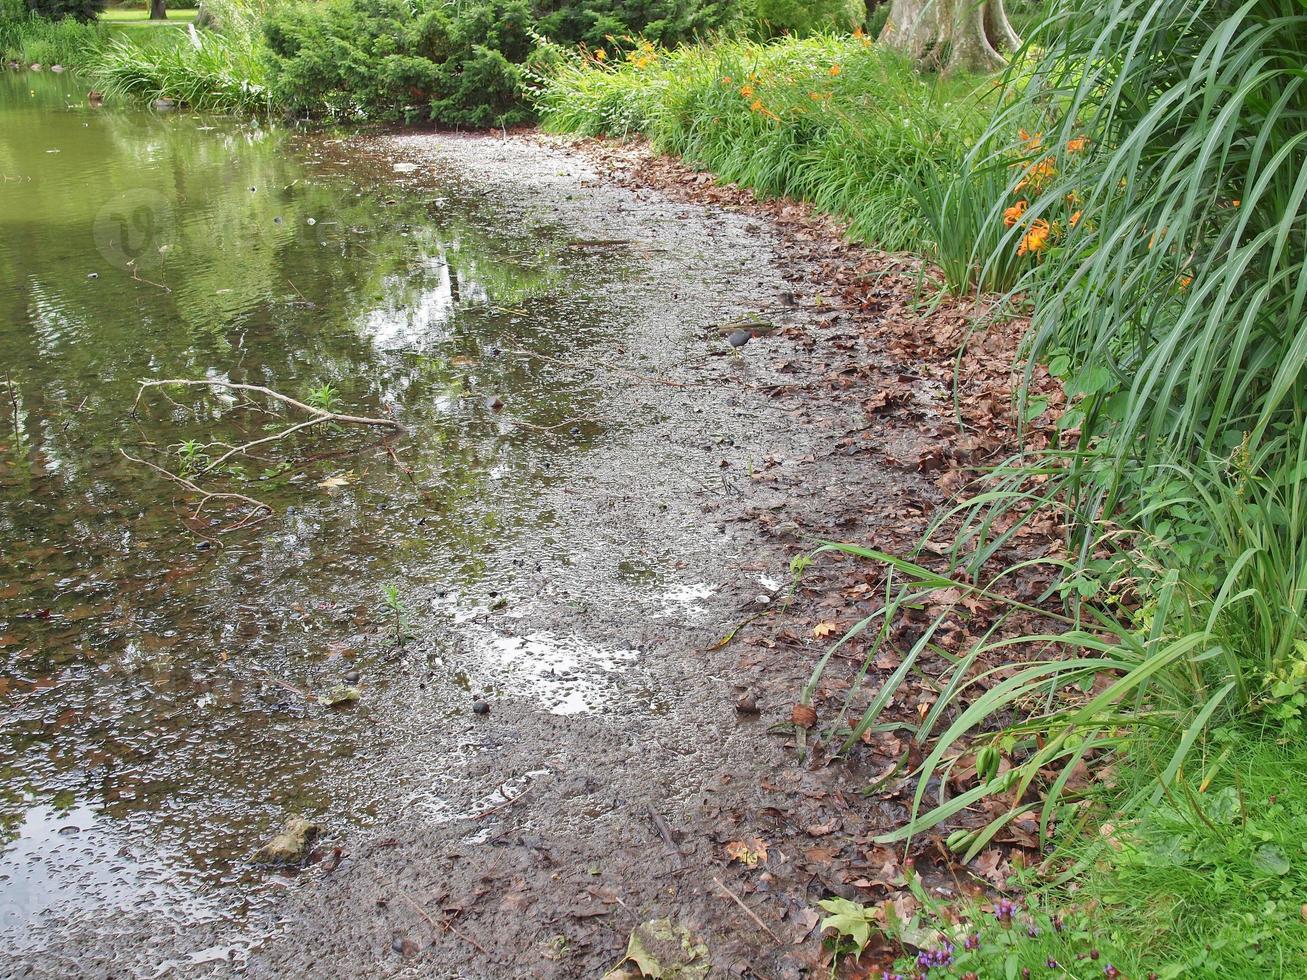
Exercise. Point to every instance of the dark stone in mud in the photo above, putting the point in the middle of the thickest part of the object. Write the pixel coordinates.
(747, 704)
(291, 844)
(480, 708)
(351, 677)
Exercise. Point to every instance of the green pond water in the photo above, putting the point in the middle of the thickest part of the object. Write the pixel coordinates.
(145, 742)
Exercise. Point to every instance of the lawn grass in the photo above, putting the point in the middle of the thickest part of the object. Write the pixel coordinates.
(138, 18)
(1213, 881)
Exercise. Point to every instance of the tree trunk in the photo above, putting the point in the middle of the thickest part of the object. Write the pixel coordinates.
(158, 10)
(951, 35)
(999, 29)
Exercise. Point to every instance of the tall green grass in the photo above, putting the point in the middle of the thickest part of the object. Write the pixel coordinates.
(200, 69)
(831, 120)
(1173, 307)
(36, 40)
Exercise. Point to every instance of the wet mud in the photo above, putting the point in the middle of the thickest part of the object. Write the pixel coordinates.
(567, 819)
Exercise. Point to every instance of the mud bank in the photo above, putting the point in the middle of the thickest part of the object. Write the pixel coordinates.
(559, 832)
(654, 512)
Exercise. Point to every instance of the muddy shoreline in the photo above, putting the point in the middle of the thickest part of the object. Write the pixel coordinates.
(578, 828)
(625, 744)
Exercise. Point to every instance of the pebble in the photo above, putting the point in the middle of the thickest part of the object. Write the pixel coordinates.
(747, 704)
(93, 275)
(480, 708)
(351, 677)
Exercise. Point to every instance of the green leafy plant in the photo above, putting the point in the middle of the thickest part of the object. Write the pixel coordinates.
(191, 456)
(1172, 305)
(324, 397)
(799, 17)
(398, 611)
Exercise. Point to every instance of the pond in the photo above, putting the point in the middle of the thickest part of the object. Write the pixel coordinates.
(158, 676)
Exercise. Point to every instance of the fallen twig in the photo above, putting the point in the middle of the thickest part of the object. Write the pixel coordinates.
(748, 911)
(256, 506)
(319, 416)
(508, 801)
(319, 413)
(444, 925)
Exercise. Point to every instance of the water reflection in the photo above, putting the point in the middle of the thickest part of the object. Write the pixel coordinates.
(153, 686)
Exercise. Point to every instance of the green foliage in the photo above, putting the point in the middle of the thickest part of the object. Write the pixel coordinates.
(324, 397)
(399, 61)
(453, 64)
(809, 16)
(199, 69)
(1213, 879)
(966, 231)
(667, 22)
(1172, 308)
(37, 40)
(834, 121)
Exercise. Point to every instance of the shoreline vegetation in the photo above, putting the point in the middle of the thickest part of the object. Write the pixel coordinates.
(1124, 585)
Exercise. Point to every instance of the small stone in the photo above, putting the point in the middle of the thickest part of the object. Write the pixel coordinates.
(339, 695)
(93, 275)
(763, 599)
(404, 947)
(351, 677)
(480, 708)
(291, 844)
(739, 338)
(747, 704)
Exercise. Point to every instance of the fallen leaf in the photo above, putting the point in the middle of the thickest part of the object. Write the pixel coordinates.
(334, 482)
(825, 628)
(748, 852)
(803, 715)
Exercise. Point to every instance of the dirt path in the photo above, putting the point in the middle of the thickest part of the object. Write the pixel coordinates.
(561, 832)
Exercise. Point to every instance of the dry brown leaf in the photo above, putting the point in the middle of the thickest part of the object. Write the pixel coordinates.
(748, 852)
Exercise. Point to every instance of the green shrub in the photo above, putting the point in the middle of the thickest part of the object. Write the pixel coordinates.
(81, 10)
(665, 22)
(810, 16)
(394, 60)
(454, 64)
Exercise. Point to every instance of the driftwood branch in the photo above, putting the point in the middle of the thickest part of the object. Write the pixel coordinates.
(257, 510)
(320, 414)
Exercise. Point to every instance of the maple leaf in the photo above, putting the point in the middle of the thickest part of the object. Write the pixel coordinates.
(825, 628)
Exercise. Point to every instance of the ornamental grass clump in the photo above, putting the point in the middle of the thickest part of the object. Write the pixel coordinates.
(830, 120)
(1157, 200)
